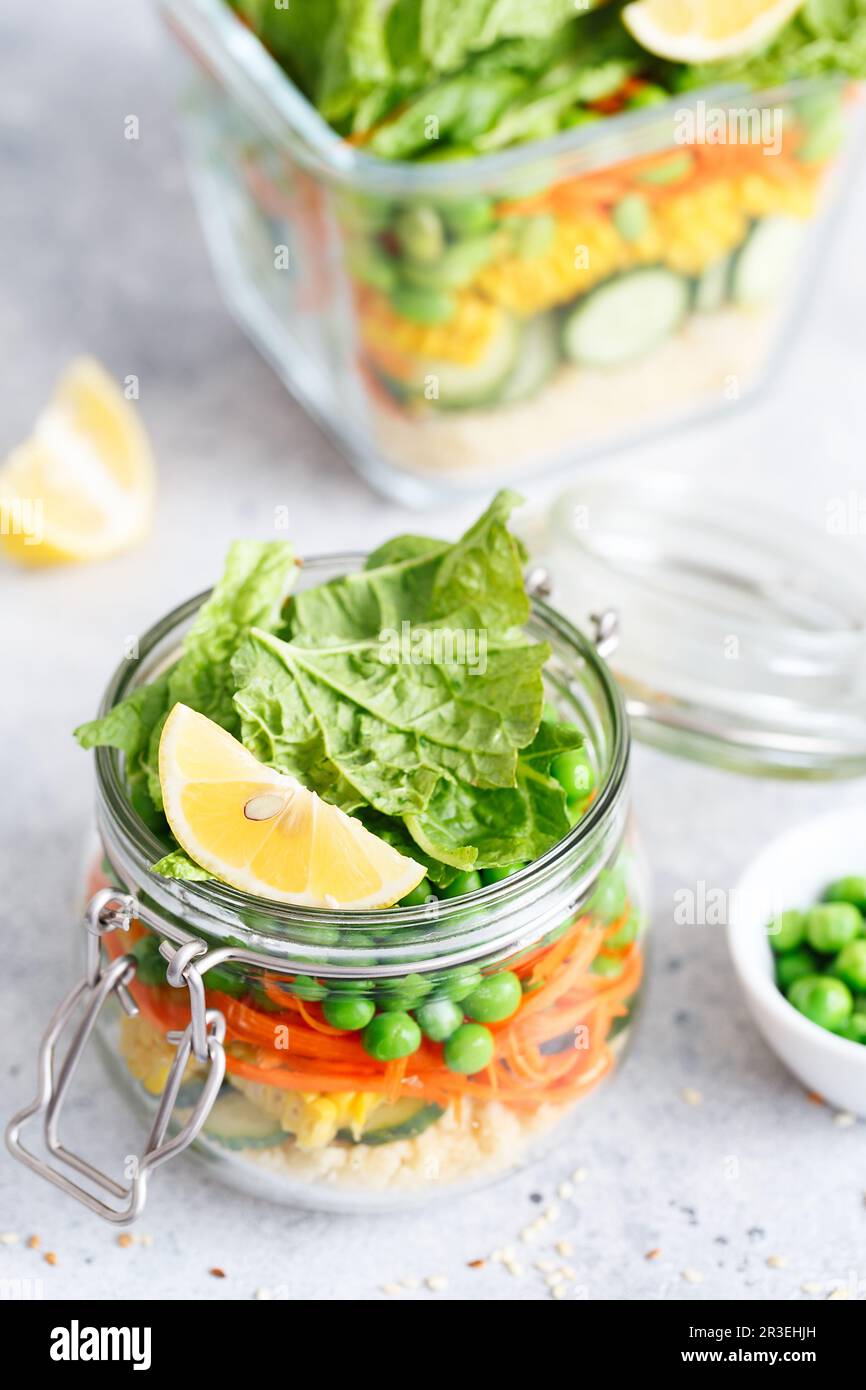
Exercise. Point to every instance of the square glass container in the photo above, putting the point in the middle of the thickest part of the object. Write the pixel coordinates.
(453, 324)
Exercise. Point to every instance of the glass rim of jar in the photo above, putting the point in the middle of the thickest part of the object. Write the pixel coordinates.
(516, 911)
(236, 56)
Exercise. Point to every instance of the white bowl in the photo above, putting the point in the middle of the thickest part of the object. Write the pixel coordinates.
(793, 871)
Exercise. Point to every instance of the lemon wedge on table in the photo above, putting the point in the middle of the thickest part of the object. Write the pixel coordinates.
(705, 31)
(81, 487)
(263, 832)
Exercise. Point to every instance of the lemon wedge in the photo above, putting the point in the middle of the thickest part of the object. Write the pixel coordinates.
(263, 832)
(705, 31)
(82, 486)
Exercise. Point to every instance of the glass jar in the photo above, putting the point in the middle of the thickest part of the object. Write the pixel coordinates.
(303, 1113)
(453, 323)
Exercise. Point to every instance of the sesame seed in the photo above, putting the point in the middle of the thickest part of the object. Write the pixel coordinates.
(559, 1291)
(564, 1248)
(145, 1240)
(579, 1175)
(777, 1262)
(565, 1190)
(653, 1254)
(437, 1282)
(691, 1096)
(567, 1272)
(411, 1282)
(34, 1243)
(837, 1294)
(552, 1214)
(553, 1279)
(529, 1233)
(515, 1269)
(263, 1295)
(9, 1238)
(693, 1276)
(545, 1266)
(125, 1240)
(812, 1287)
(392, 1289)
(49, 1257)
(844, 1119)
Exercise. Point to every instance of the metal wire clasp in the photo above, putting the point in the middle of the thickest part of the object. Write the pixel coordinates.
(203, 1038)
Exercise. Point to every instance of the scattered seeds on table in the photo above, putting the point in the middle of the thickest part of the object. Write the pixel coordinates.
(263, 1295)
(34, 1242)
(392, 1289)
(9, 1238)
(844, 1119)
(515, 1268)
(565, 1190)
(559, 1291)
(125, 1240)
(565, 1248)
(693, 1276)
(49, 1257)
(812, 1286)
(653, 1254)
(551, 1214)
(217, 1272)
(691, 1096)
(579, 1175)
(836, 1294)
(777, 1262)
(436, 1283)
(545, 1266)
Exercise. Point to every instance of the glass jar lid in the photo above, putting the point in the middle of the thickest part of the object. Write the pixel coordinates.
(742, 630)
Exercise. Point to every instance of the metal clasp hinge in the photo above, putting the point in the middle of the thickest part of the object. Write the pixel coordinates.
(203, 1038)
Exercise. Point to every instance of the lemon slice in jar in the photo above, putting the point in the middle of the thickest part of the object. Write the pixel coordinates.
(263, 832)
(82, 486)
(704, 31)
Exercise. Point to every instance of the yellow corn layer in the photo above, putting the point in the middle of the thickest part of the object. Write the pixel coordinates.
(313, 1118)
(148, 1055)
(698, 228)
(582, 253)
(463, 339)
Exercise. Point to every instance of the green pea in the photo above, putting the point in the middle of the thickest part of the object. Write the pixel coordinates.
(497, 997)
(469, 1049)
(851, 889)
(678, 167)
(631, 216)
(832, 925)
(305, 987)
(534, 236)
(609, 967)
(855, 1028)
(390, 1036)
(648, 95)
(372, 267)
(348, 1013)
(624, 935)
(419, 896)
(468, 217)
(403, 994)
(823, 999)
(850, 965)
(439, 1019)
(425, 306)
(459, 983)
(421, 233)
(609, 899)
(226, 981)
(458, 266)
(787, 931)
(468, 882)
(151, 967)
(574, 772)
(793, 965)
(497, 875)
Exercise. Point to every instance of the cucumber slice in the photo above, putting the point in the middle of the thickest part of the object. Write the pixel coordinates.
(236, 1123)
(452, 386)
(403, 1120)
(711, 288)
(537, 360)
(625, 317)
(766, 260)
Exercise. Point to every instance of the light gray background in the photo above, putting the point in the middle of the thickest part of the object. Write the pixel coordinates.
(101, 252)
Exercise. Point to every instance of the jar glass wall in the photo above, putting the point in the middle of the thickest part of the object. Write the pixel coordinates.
(496, 1014)
(455, 323)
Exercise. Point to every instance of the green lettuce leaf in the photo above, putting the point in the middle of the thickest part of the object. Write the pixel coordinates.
(179, 865)
(503, 825)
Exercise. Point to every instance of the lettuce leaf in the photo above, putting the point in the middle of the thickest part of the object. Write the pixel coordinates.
(257, 577)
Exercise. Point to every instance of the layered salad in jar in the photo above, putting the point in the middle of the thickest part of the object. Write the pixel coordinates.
(293, 753)
(588, 294)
